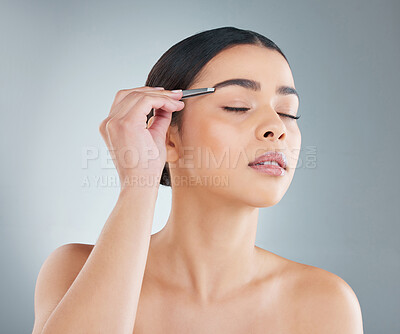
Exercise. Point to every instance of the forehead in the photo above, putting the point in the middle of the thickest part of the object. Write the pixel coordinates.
(246, 61)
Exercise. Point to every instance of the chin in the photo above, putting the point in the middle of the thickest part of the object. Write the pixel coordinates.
(256, 198)
(265, 194)
(264, 202)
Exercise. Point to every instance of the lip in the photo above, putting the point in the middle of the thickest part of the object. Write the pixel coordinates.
(276, 156)
(269, 169)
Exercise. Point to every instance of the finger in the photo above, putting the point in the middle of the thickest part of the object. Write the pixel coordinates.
(135, 94)
(131, 99)
(176, 94)
(121, 94)
(160, 121)
(160, 125)
(144, 105)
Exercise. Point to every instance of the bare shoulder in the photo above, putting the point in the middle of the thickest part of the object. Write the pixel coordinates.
(68, 257)
(323, 302)
(65, 261)
(55, 277)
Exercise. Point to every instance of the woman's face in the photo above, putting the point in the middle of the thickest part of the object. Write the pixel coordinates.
(218, 144)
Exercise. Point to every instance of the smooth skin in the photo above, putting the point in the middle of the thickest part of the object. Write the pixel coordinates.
(202, 273)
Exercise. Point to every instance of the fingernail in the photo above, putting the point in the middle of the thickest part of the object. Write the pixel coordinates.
(159, 87)
(176, 91)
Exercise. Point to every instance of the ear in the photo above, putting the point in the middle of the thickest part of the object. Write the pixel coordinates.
(172, 141)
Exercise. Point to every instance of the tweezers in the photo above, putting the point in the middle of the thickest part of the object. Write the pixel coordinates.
(193, 92)
(196, 92)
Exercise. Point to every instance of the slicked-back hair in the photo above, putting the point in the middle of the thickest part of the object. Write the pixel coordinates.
(180, 65)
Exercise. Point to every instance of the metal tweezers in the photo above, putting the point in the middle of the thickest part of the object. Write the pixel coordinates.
(196, 92)
(193, 92)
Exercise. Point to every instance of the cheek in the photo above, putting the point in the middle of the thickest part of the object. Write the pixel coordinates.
(294, 146)
(215, 139)
(219, 138)
(294, 137)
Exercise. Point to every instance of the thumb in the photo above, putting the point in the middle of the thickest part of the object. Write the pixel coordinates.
(159, 124)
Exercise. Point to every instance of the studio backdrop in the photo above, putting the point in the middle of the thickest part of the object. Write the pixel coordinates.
(62, 64)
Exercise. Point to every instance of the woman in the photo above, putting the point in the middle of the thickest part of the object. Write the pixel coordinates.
(202, 272)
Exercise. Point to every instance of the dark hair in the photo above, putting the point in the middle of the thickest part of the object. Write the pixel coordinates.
(180, 65)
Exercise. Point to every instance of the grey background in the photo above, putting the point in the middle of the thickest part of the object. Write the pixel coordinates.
(62, 63)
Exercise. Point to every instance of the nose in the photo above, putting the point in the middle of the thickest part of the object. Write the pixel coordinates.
(271, 128)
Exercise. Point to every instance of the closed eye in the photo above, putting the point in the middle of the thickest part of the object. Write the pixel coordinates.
(246, 109)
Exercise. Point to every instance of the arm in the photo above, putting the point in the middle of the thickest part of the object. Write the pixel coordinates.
(103, 298)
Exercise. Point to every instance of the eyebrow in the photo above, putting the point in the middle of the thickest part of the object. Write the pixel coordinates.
(256, 86)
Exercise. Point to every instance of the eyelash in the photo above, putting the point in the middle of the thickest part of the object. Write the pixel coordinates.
(245, 109)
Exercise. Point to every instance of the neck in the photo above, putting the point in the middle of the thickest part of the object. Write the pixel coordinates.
(208, 243)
